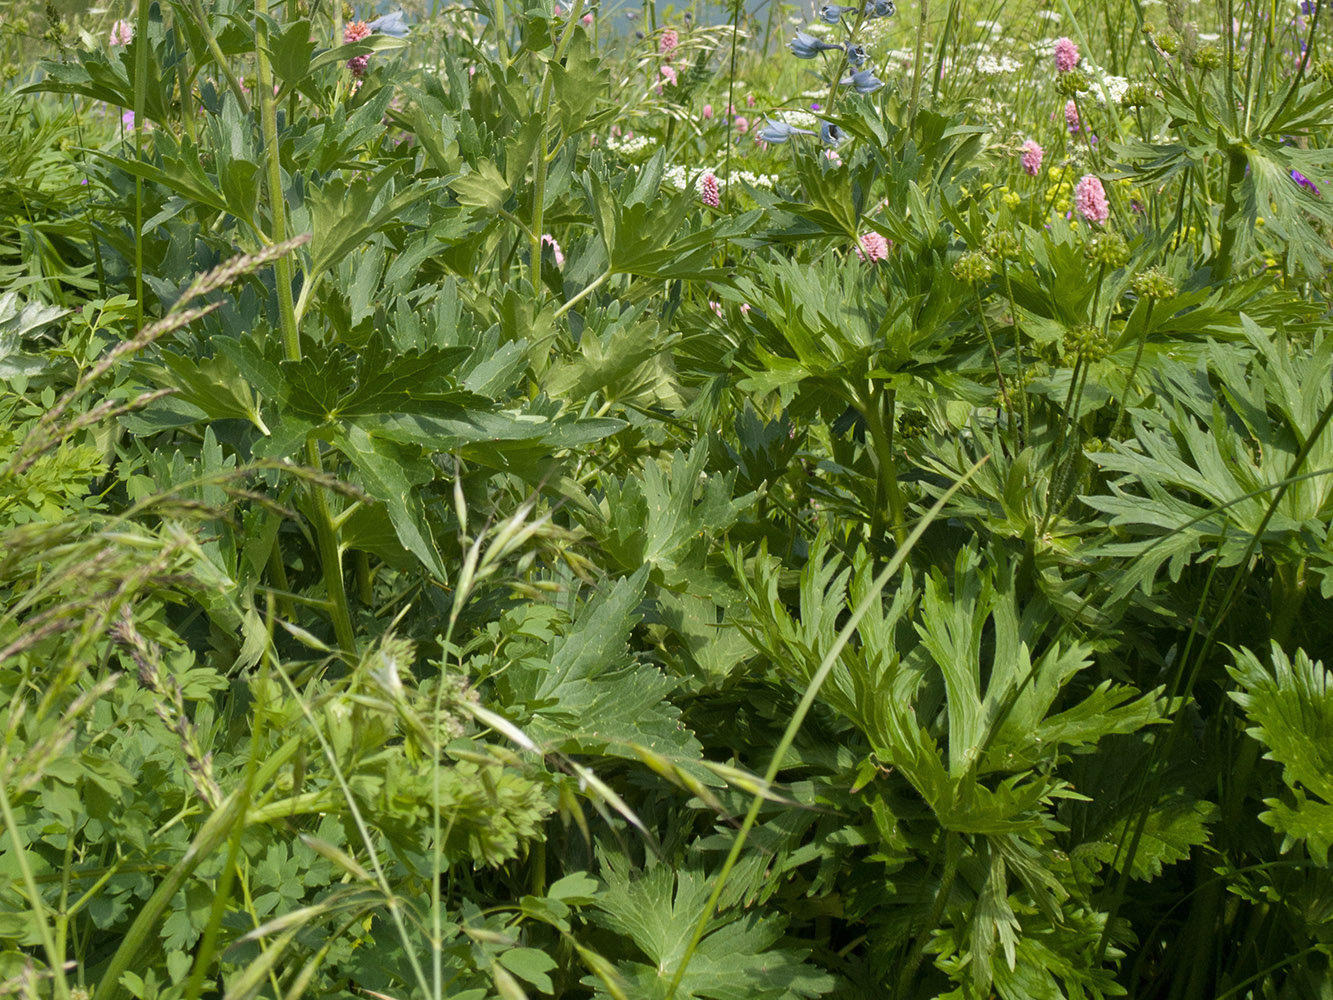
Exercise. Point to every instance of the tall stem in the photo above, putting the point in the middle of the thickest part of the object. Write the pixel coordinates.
(1236, 164)
(541, 162)
(326, 534)
(878, 412)
(916, 61)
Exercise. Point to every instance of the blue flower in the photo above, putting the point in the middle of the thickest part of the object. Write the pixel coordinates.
(865, 81)
(831, 135)
(856, 55)
(779, 132)
(831, 13)
(390, 24)
(880, 8)
(805, 46)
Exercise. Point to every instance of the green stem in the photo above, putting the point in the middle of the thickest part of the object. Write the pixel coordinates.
(1133, 370)
(916, 62)
(878, 411)
(215, 50)
(1288, 590)
(19, 851)
(798, 717)
(1018, 351)
(1236, 162)
(541, 162)
(588, 290)
(140, 103)
(953, 854)
(326, 533)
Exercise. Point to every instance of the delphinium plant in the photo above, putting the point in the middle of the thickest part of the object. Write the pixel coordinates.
(494, 506)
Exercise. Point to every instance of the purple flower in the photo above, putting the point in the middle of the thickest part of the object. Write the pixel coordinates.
(807, 46)
(779, 132)
(390, 24)
(1066, 55)
(1306, 183)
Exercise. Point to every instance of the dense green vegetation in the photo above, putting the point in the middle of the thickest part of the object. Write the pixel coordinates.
(730, 503)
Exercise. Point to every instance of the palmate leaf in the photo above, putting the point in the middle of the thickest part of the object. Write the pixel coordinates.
(664, 518)
(736, 960)
(587, 694)
(1291, 711)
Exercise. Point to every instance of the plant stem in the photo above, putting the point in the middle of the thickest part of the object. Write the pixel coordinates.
(540, 162)
(798, 717)
(19, 852)
(1133, 370)
(878, 411)
(916, 62)
(326, 534)
(1236, 162)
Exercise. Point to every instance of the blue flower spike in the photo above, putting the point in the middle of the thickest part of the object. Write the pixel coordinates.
(832, 13)
(865, 81)
(776, 133)
(806, 46)
(390, 24)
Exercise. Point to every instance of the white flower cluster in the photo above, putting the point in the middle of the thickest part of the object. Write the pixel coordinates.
(798, 119)
(678, 177)
(631, 147)
(988, 65)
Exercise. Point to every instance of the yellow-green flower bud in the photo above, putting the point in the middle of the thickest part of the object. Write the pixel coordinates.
(1107, 249)
(972, 267)
(1154, 283)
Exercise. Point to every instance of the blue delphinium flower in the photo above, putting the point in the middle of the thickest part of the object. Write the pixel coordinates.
(831, 135)
(865, 81)
(779, 132)
(831, 13)
(856, 55)
(390, 24)
(880, 8)
(805, 46)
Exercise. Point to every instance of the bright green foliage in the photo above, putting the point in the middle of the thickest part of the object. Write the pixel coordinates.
(440, 474)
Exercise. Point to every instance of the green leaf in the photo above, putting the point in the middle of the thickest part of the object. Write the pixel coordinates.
(1290, 708)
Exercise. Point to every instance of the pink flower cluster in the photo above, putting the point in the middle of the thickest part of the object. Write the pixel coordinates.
(873, 248)
(122, 32)
(355, 31)
(1031, 158)
(1066, 55)
(709, 192)
(1071, 115)
(668, 42)
(1090, 199)
(549, 240)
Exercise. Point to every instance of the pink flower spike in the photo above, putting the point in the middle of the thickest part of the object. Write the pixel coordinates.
(668, 42)
(716, 307)
(1031, 158)
(708, 190)
(1071, 115)
(745, 306)
(669, 74)
(872, 248)
(587, 20)
(549, 240)
(708, 112)
(749, 100)
(742, 125)
(1066, 55)
(1090, 199)
(122, 32)
(355, 31)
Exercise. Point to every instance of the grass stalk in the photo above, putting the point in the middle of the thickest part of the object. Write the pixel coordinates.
(798, 718)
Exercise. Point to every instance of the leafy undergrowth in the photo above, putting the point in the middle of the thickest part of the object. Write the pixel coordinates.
(506, 501)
